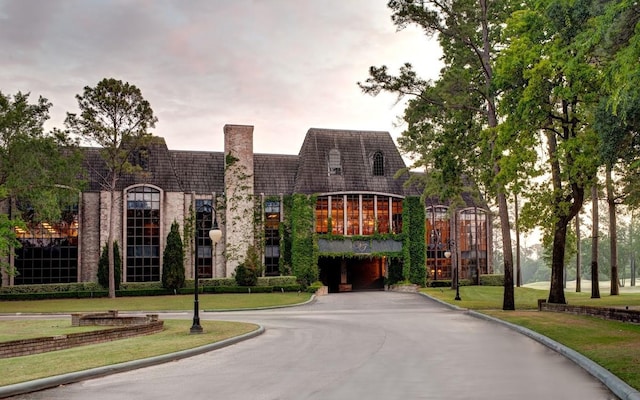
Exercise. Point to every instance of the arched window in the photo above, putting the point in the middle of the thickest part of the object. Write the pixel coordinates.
(439, 240)
(473, 243)
(335, 164)
(143, 234)
(378, 164)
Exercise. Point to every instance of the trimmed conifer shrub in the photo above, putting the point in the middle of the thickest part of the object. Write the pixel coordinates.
(103, 266)
(173, 260)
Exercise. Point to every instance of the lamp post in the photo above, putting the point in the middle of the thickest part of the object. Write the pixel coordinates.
(457, 276)
(214, 234)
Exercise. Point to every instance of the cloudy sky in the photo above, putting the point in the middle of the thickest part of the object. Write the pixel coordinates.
(283, 66)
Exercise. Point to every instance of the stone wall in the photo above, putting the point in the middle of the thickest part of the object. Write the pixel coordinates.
(618, 314)
(238, 183)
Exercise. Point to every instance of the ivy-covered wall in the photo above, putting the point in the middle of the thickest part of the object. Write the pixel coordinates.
(304, 249)
(414, 249)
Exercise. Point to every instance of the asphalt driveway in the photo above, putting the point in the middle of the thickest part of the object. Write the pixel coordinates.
(367, 345)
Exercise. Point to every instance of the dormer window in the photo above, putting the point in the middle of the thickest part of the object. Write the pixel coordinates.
(335, 165)
(378, 164)
(141, 158)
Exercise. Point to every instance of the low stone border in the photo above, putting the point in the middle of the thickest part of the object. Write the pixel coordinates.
(126, 327)
(617, 314)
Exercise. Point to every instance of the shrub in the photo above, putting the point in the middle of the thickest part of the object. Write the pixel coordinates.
(492, 280)
(247, 273)
(173, 260)
(103, 266)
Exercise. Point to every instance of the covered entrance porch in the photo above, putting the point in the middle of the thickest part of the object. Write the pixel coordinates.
(352, 274)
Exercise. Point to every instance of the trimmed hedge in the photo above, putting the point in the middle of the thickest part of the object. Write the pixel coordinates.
(492, 280)
(132, 289)
(447, 283)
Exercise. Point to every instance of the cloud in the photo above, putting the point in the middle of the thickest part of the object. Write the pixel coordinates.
(281, 65)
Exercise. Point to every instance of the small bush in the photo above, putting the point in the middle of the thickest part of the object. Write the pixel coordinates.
(103, 266)
(247, 273)
(492, 280)
(173, 260)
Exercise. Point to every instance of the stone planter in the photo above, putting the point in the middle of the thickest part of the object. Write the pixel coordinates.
(322, 291)
(405, 288)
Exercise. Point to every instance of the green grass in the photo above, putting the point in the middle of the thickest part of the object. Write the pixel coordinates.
(490, 297)
(155, 303)
(612, 344)
(175, 337)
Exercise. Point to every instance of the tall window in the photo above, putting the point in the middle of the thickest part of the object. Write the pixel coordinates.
(337, 215)
(272, 238)
(335, 165)
(143, 234)
(396, 215)
(204, 223)
(378, 164)
(49, 252)
(368, 215)
(473, 243)
(438, 239)
(353, 214)
(382, 210)
(322, 215)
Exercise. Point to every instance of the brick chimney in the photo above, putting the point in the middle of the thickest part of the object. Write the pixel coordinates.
(238, 186)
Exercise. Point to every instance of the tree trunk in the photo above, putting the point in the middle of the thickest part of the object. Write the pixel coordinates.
(613, 234)
(112, 275)
(595, 284)
(578, 264)
(508, 302)
(518, 268)
(556, 293)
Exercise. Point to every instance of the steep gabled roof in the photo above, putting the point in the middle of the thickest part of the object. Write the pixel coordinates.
(201, 172)
(356, 151)
(274, 173)
(158, 169)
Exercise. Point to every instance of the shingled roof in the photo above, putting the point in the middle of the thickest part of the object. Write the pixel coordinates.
(158, 170)
(308, 172)
(356, 151)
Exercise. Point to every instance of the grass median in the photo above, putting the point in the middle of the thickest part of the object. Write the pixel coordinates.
(175, 336)
(613, 345)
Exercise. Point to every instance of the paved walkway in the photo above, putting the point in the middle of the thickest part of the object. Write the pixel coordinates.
(368, 345)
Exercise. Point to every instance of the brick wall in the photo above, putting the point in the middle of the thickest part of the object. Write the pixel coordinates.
(44, 344)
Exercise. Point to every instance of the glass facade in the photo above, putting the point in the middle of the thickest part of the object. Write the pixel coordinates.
(364, 214)
(473, 244)
(143, 234)
(438, 240)
(49, 252)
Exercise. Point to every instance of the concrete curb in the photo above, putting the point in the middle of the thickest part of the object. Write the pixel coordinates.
(45, 383)
(615, 384)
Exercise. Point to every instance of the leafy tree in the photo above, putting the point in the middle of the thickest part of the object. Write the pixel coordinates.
(452, 123)
(39, 171)
(173, 260)
(550, 85)
(103, 266)
(115, 116)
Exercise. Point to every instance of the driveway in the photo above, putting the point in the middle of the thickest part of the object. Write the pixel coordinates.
(366, 345)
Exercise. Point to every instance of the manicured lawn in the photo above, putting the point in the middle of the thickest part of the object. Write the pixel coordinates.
(614, 345)
(175, 336)
(155, 303)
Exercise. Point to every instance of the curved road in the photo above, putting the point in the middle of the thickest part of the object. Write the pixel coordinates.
(367, 345)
